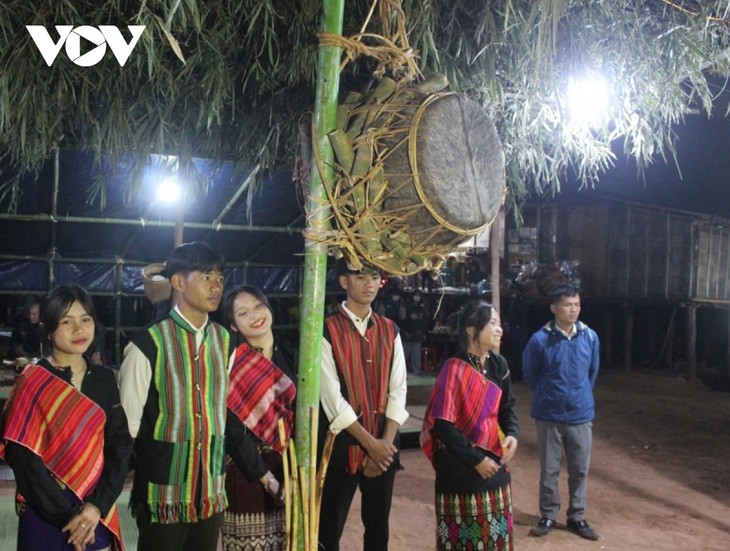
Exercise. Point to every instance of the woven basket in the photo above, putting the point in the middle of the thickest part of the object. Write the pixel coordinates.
(157, 287)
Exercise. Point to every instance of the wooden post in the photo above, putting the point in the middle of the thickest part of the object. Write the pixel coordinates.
(727, 345)
(653, 329)
(179, 225)
(607, 337)
(628, 334)
(691, 341)
(669, 349)
(495, 245)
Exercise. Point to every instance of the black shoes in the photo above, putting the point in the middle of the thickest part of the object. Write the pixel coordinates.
(543, 526)
(581, 528)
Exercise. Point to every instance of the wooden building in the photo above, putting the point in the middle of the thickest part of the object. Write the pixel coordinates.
(659, 277)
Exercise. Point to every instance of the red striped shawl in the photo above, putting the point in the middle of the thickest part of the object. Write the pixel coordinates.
(470, 401)
(260, 394)
(64, 428)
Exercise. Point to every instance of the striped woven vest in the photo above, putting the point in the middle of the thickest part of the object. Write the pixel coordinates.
(363, 362)
(192, 386)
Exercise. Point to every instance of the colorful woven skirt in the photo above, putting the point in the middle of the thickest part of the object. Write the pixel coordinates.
(469, 522)
(252, 522)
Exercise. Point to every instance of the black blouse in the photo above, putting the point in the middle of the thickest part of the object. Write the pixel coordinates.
(38, 486)
(456, 456)
(241, 444)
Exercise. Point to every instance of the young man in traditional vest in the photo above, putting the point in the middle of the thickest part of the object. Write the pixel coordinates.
(363, 394)
(173, 385)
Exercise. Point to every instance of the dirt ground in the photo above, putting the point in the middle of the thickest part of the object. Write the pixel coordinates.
(659, 479)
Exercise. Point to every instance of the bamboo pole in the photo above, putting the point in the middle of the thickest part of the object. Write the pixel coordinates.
(315, 252)
(304, 488)
(53, 216)
(313, 513)
(294, 541)
(496, 243)
(147, 222)
(287, 483)
(323, 464)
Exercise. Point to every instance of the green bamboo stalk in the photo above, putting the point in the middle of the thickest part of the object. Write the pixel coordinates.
(315, 252)
(342, 146)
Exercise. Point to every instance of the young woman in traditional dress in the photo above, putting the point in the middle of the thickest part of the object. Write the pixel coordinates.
(66, 437)
(262, 375)
(471, 401)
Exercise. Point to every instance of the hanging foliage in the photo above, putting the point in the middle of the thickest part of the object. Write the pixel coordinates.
(231, 80)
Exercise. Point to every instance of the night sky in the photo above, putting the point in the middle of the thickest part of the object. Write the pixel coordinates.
(701, 181)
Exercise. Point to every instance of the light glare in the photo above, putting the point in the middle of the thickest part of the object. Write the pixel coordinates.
(168, 191)
(588, 100)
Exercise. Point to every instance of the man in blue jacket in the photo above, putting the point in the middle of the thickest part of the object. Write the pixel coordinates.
(560, 363)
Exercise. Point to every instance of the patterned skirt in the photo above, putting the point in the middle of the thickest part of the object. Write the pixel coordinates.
(253, 521)
(469, 522)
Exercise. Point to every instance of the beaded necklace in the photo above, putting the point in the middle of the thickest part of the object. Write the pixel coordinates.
(476, 363)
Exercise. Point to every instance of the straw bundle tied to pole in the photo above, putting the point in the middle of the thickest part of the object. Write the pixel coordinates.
(303, 487)
(418, 170)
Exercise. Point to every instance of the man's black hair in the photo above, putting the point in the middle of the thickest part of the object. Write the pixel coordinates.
(562, 291)
(196, 256)
(343, 268)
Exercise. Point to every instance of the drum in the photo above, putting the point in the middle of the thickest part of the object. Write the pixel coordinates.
(449, 183)
(419, 172)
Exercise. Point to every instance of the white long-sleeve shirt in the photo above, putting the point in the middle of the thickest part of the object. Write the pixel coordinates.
(336, 407)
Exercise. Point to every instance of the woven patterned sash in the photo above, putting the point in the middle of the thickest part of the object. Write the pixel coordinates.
(260, 394)
(64, 428)
(467, 399)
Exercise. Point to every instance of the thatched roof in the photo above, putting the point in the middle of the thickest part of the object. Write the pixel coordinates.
(249, 70)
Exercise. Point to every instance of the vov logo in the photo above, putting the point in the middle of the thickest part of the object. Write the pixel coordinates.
(101, 37)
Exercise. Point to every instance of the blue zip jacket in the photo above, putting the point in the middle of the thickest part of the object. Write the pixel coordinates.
(562, 373)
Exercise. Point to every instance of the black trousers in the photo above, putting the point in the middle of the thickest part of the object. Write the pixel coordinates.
(183, 536)
(338, 492)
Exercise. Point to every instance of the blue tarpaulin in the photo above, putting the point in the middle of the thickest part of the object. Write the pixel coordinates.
(78, 241)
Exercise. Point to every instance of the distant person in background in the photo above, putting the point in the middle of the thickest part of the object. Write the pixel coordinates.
(390, 306)
(66, 436)
(470, 402)
(262, 378)
(560, 364)
(413, 321)
(26, 339)
(474, 272)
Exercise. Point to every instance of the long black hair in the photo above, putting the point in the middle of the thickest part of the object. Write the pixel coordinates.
(475, 313)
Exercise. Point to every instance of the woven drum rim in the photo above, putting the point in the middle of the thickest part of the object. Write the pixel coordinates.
(412, 156)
